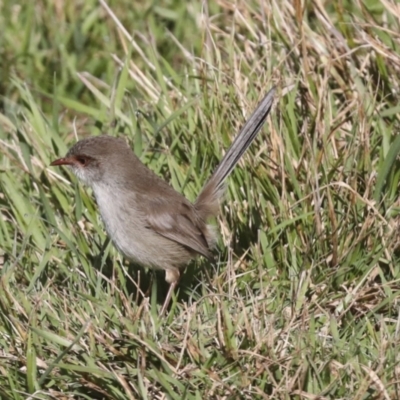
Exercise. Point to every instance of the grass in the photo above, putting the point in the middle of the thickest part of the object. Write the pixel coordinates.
(303, 301)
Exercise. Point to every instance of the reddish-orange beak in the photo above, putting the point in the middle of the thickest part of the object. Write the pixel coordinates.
(63, 161)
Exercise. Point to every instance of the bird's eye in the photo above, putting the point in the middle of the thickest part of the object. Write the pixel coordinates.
(82, 160)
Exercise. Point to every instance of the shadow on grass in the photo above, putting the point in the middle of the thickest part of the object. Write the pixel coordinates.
(141, 280)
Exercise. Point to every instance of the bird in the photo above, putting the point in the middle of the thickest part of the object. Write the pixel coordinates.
(148, 221)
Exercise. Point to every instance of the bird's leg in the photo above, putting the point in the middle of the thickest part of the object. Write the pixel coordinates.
(172, 277)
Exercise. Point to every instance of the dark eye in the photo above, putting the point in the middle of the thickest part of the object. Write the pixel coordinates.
(82, 160)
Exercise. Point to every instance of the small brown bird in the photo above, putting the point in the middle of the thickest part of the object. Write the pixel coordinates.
(148, 221)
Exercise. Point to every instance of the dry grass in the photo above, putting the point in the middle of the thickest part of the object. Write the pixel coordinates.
(303, 301)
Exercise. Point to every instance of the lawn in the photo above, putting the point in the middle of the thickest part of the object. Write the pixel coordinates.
(303, 299)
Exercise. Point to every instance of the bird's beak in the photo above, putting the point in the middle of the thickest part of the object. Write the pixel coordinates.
(63, 161)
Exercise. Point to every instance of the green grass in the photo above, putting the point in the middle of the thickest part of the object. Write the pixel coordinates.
(303, 301)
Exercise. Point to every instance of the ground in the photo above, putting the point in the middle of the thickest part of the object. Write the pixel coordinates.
(302, 301)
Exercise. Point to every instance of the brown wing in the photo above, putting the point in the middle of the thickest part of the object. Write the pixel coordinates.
(178, 222)
(167, 212)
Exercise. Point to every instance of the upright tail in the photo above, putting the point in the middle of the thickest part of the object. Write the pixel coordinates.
(207, 204)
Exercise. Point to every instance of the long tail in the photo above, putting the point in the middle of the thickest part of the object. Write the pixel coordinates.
(207, 204)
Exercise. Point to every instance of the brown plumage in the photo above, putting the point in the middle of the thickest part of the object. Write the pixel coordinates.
(147, 220)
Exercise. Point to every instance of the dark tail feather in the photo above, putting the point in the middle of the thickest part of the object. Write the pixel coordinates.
(207, 203)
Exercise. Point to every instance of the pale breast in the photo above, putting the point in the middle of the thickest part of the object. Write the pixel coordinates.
(126, 225)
